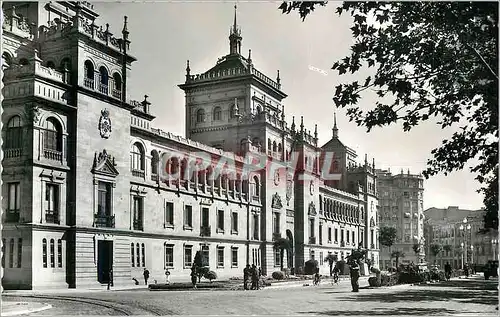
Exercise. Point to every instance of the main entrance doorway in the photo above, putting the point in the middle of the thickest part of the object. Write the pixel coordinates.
(104, 261)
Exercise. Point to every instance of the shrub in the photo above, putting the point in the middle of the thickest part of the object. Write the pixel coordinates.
(278, 275)
(413, 277)
(310, 267)
(374, 282)
(210, 275)
(389, 280)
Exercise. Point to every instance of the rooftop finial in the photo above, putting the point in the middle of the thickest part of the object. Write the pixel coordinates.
(335, 130)
(188, 69)
(301, 123)
(293, 124)
(125, 29)
(235, 26)
(316, 131)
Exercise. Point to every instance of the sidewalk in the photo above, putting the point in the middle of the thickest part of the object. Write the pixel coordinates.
(21, 308)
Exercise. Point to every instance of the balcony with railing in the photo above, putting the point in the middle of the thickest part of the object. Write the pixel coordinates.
(137, 173)
(104, 221)
(9, 153)
(138, 224)
(103, 89)
(276, 236)
(88, 82)
(312, 240)
(52, 216)
(116, 93)
(205, 231)
(154, 177)
(52, 155)
(12, 216)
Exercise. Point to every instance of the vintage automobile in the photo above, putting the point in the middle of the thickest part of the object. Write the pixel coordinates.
(491, 269)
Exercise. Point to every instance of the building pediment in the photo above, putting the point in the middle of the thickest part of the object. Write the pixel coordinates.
(104, 164)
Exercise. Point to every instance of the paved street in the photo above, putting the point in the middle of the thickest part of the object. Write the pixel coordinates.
(473, 297)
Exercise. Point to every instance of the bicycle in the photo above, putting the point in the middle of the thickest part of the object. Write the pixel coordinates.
(335, 279)
(317, 279)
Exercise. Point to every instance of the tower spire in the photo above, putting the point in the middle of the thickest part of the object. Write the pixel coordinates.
(335, 130)
(235, 36)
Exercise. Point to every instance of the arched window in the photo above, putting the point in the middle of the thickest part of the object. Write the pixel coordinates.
(19, 252)
(217, 114)
(59, 253)
(88, 80)
(275, 147)
(138, 255)
(154, 162)
(132, 258)
(23, 62)
(50, 64)
(143, 255)
(137, 157)
(259, 110)
(117, 90)
(14, 135)
(52, 136)
(256, 186)
(200, 115)
(269, 145)
(104, 79)
(280, 148)
(52, 255)
(6, 60)
(44, 252)
(11, 253)
(66, 64)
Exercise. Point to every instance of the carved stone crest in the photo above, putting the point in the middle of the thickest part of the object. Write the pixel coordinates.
(276, 202)
(105, 124)
(312, 209)
(289, 187)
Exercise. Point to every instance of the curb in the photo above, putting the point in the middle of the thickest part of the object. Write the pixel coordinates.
(27, 311)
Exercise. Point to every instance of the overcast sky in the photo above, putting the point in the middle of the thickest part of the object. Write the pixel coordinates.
(165, 34)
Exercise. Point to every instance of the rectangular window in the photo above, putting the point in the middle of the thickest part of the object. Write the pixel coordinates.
(353, 237)
(44, 252)
(169, 256)
(14, 202)
(371, 237)
(205, 255)
(138, 254)
(311, 228)
(348, 238)
(188, 216)
(11, 253)
(138, 212)
(336, 235)
(234, 257)
(361, 236)
(220, 220)
(52, 197)
(143, 257)
(19, 252)
(320, 234)
(321, 258)
(256, 227)
(205, 217)
(3, 253)
(234, 222)
(220, 256)
(342, 235)
(169, 214)
(188, 256)
(276, 222)
(132, 257)
(104, 199)
(329, 234)
(277, 257)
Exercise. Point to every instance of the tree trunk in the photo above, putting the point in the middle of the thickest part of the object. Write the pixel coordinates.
(281, 257)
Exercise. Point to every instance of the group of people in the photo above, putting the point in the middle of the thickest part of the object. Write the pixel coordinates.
(468, 269)
(253, 274)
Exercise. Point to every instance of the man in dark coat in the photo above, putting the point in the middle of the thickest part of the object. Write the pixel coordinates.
(246, 276)
(447, 270)
(146, 276)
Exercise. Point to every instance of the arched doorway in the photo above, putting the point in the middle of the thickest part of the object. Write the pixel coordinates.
(289, 253)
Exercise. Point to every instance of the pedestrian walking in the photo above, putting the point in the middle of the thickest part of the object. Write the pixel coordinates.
(193, 276)
(354, 271)
(146, 276)
(255, 277)
(246, 276)
(167, 275)
(447, 271)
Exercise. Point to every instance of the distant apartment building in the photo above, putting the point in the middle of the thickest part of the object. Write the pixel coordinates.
(456, 232)
(401, 206)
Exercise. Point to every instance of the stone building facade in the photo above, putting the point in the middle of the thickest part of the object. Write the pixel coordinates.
(401, 207)
(88, 181)
(458, 234)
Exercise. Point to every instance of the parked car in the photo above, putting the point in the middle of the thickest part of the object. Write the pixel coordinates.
(491, 269)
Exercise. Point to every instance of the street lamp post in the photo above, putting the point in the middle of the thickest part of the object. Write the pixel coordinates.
(462, 245)
(472, 254)
(464, 228)
(494, 243)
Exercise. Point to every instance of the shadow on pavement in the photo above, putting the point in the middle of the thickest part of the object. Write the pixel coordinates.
(472, 284)
(387, 312)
